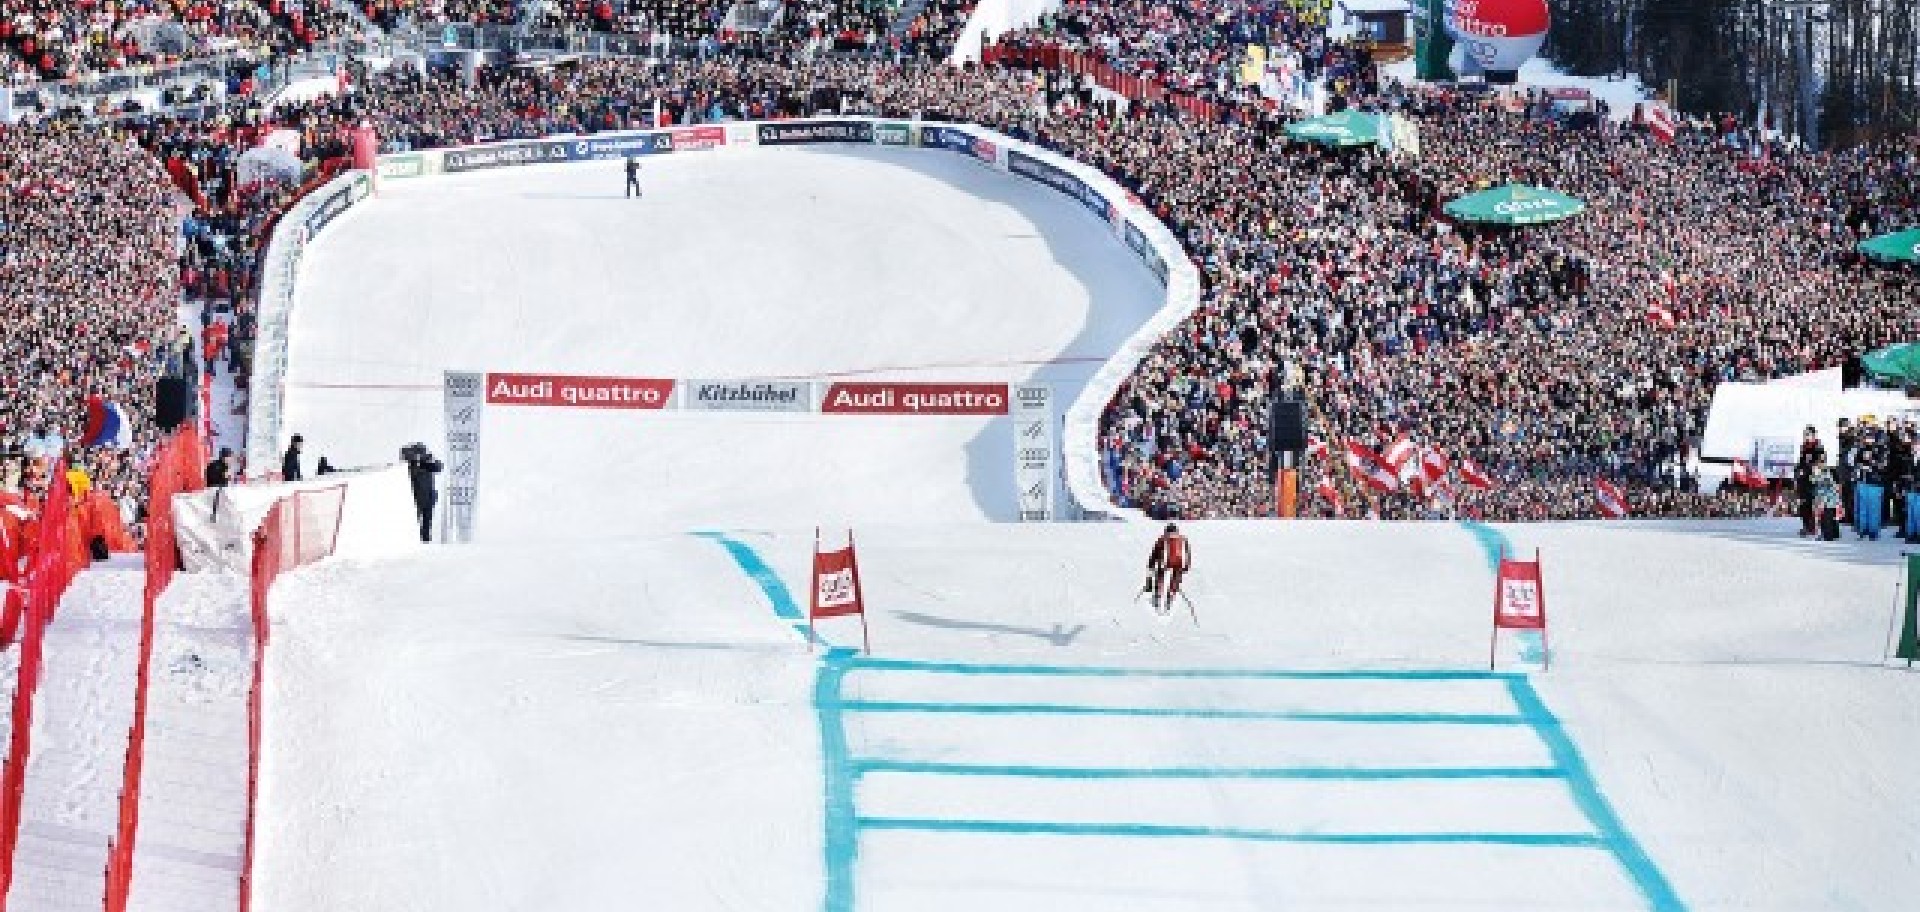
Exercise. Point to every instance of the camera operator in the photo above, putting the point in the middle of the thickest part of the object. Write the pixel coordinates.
(421, 467)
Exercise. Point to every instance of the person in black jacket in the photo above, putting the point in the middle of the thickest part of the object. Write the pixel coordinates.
(421, 467)
(633, 177)
(290, 463)
(220, 471)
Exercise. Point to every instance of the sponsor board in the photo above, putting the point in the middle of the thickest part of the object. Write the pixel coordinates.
(579, 392)
(746, 395)
(883, 398)
(507, 155)
(331, 207)
(1144, 249)
(1072, 187)
(463, 409)
(949, 138)
(893, 134)
(699, 139)
(620, 145)
(796, 132)
(1035, 450)
(408, 165)
(984, 151)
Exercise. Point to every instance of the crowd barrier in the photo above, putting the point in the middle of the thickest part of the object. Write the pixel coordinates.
(50, 570)
(1124, 216)
(177, 469)
(300, 528)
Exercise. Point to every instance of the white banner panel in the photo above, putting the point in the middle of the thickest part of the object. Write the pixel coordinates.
(746, 395)
(1035, 450)
(465, 399)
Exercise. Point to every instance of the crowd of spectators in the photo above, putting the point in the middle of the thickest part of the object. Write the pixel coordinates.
(64, 39)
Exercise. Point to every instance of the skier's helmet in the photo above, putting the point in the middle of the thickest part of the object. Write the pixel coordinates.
(1172, 529)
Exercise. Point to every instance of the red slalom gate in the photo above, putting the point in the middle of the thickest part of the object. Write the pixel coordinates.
(51, 570)
(177, 469)
(300, 529)
(836, 588)
(1519, 603)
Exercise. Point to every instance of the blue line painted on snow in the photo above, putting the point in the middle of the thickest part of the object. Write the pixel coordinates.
(841, 844)
(1492, 541)
(866, 663)
(1176, 712)
(1155, 830)
(842, 832)
(1646, 876)
(1331, 773)
(762, 574)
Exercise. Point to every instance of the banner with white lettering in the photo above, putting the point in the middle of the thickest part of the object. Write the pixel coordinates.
(1035, 450)
(465, 401)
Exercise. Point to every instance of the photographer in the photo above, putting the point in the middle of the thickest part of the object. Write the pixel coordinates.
(421, 467)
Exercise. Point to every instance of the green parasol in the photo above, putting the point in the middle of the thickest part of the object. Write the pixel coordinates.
(1347, 128)
(1895, 362)
(1898, 247)
(1515, 204)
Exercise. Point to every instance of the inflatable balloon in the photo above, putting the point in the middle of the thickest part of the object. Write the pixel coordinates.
(1497, 35)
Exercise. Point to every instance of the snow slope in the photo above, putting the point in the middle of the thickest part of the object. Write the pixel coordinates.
(845, 264)
(611, 700)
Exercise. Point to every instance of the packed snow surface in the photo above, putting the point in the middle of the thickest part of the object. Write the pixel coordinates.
(611, 700)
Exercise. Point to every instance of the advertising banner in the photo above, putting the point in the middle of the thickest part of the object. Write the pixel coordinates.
(464, 405)
(893, 134)
(565, 391)
(458, 161)
(699, 139)
(746, 395)
(905, 398)
(1035, 450)
(1137, 240)
(620, 145)
(335, 203)
(949, 138)
(1074, 188)
(408, 165)
(797, 132)
(984, 151)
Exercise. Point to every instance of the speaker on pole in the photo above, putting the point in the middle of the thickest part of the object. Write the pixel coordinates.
(170, 403)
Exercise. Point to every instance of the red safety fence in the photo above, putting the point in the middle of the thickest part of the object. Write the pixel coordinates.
(177, 469)
(48, 574)
(300, 529)
(1142, 86)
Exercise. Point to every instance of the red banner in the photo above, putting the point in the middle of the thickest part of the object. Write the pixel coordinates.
(836, 588)
(915, 399)
(578, 392)
(695, 139)
(1520, 602)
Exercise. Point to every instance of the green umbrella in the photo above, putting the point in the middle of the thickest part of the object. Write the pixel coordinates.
(1895, 362)
(1347, 128)
(1898, 247)
(1515, 204)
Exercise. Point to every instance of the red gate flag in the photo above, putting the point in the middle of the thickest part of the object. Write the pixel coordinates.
(836, 587)
(1519, 600)
(1612, 503)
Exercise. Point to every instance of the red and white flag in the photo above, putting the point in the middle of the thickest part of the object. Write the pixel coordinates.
(1370, 468)
(1662, 121)
(1434, 464)
(1745, 476)
(1316, 448)
(1399, 452)
(1331, 495)
(1612, 503)
(1471, 474)
(1661, 314)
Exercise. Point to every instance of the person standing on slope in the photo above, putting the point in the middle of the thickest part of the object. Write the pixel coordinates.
(633, 177)
(1172, 557)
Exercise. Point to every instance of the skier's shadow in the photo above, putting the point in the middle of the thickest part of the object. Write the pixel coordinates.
(1058, 636)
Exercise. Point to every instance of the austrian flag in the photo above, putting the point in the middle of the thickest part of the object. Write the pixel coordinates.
(1612, 503)
(1370, 468)
(1471, 474)
(1331, 495)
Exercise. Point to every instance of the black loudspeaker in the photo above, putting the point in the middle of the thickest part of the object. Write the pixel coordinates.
(1289, 428)
(170, 403)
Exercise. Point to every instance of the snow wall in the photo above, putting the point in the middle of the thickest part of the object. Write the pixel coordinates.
(1121, 213)
(215, 527)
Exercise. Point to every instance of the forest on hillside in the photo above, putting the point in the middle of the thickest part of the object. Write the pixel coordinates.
(1738, 56)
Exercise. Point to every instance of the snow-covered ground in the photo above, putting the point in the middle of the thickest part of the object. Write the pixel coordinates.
(610, 701)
